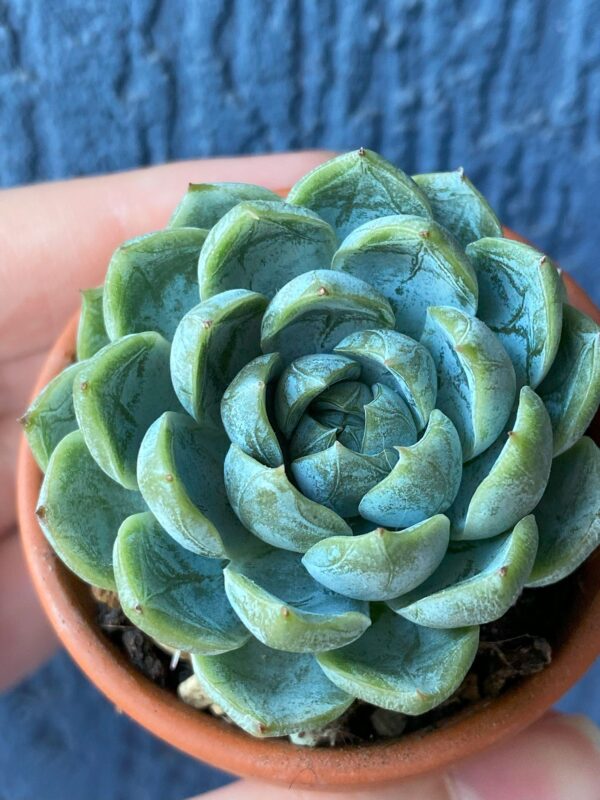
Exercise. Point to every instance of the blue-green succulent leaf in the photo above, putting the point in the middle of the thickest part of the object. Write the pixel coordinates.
(571, 390)
(339, 477)
(303, 380)
(152, 281)
(388, 422)
(415, 263)
(476, 378)
(269, 692)
(568, 515)
(476, 583)
(310, 436)
(91, 330)
(118, 395)
(244, 410)
(172, 594)
(180, 475)
(424, 480)
(80, 510)
(315, 311)
(261, 246)
(346, 397)
(357, 187)
(507, 481)
(399, 362)
(380, 564)
(212, 343)
(520, 299)
(271, 507)
(401, 666)
(284, 608)
(51, 415)
(458, 206)
(203, 205)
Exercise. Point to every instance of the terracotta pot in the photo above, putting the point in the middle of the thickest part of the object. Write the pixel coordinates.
(69, 606)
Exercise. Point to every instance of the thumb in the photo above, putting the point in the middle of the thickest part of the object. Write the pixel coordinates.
(557, 758)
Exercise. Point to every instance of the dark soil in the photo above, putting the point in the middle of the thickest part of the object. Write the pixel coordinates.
(517, 645)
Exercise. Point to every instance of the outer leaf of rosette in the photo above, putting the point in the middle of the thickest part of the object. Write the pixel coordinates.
(91, 330)
(152, 282)
(571, 390)
(388, 422)
(261, 246)
(338, 478)
(180, 475)
(477, 582)
(173, 595)
(520, 299)
(212, 343)
(415, 263)
(380, 564)
(80, 510)
(118, 395)
(271, 507)
(399, 362)
(476, 378)
(269, 692)
(284, 608)
(303, 380)
(401, 666)
(459, 206)
(244, 410)
(203, 205)
(315, 311)
(568, 515)
(356, 187)
(424, 480)
(51, 416)
(507, 481)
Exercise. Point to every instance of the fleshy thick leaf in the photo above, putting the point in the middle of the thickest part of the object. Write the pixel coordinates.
(270, 692)
(401, 666)
(271, 507)
(316, 310)
(415, 263)
(212, 343)
(203, 205)
(152, 281)
(180, 475)
(571, 390)
(520, 299)
(424, 480)
(477, 582)
(388, 422)
(310, 436)
(380, 564)
(568, 515)
(476, 378)
(118, 395)
(507, 481)
(357, 187)
(458, 206)
(397, 361)
(91, 331)
(261, 246)
(284, 608)
(51, 416)
(173, 595)
(80, 510)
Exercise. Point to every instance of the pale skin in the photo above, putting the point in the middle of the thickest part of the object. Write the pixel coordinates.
(56, 239)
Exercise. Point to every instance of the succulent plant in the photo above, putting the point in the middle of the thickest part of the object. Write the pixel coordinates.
(316, 443)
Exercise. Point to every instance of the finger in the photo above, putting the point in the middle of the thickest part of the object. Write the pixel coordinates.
(56, 238)
(26, 639)
(557, 758)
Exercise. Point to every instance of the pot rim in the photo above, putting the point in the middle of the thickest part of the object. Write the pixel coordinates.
(70, 609)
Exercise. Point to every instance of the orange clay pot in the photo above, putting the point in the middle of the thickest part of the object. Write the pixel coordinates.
(71, 610)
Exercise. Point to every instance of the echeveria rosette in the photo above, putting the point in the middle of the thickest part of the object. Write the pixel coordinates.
(317, 443)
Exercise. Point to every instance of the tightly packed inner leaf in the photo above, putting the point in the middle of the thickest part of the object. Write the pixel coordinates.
(316, 443)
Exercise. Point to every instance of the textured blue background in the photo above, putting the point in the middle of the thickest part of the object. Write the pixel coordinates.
(508, 88)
